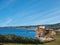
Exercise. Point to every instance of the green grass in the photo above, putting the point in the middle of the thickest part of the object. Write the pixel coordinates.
(56, 42)
(19, 44)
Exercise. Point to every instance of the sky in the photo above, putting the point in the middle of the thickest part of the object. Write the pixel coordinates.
(29, 12)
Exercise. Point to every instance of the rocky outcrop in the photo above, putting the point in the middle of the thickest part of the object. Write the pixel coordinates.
(45, 35)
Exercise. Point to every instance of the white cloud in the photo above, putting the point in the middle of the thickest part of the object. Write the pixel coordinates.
(54, 18)
(6, 22)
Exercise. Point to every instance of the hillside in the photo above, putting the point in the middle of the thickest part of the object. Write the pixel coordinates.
(11, 38)
(32, 27)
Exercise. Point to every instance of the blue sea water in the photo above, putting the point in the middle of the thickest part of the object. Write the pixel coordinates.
(18, 32)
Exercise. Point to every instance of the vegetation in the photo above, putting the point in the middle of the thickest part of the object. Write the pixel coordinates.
(11, 38)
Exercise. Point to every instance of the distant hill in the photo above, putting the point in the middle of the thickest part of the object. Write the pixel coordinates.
(49, 26)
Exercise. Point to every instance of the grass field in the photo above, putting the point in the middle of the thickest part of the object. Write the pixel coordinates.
(56, 42)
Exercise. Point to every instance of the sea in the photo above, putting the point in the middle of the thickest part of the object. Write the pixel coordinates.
(19, 32)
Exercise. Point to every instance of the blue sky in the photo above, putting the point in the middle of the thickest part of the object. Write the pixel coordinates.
(29, 12)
